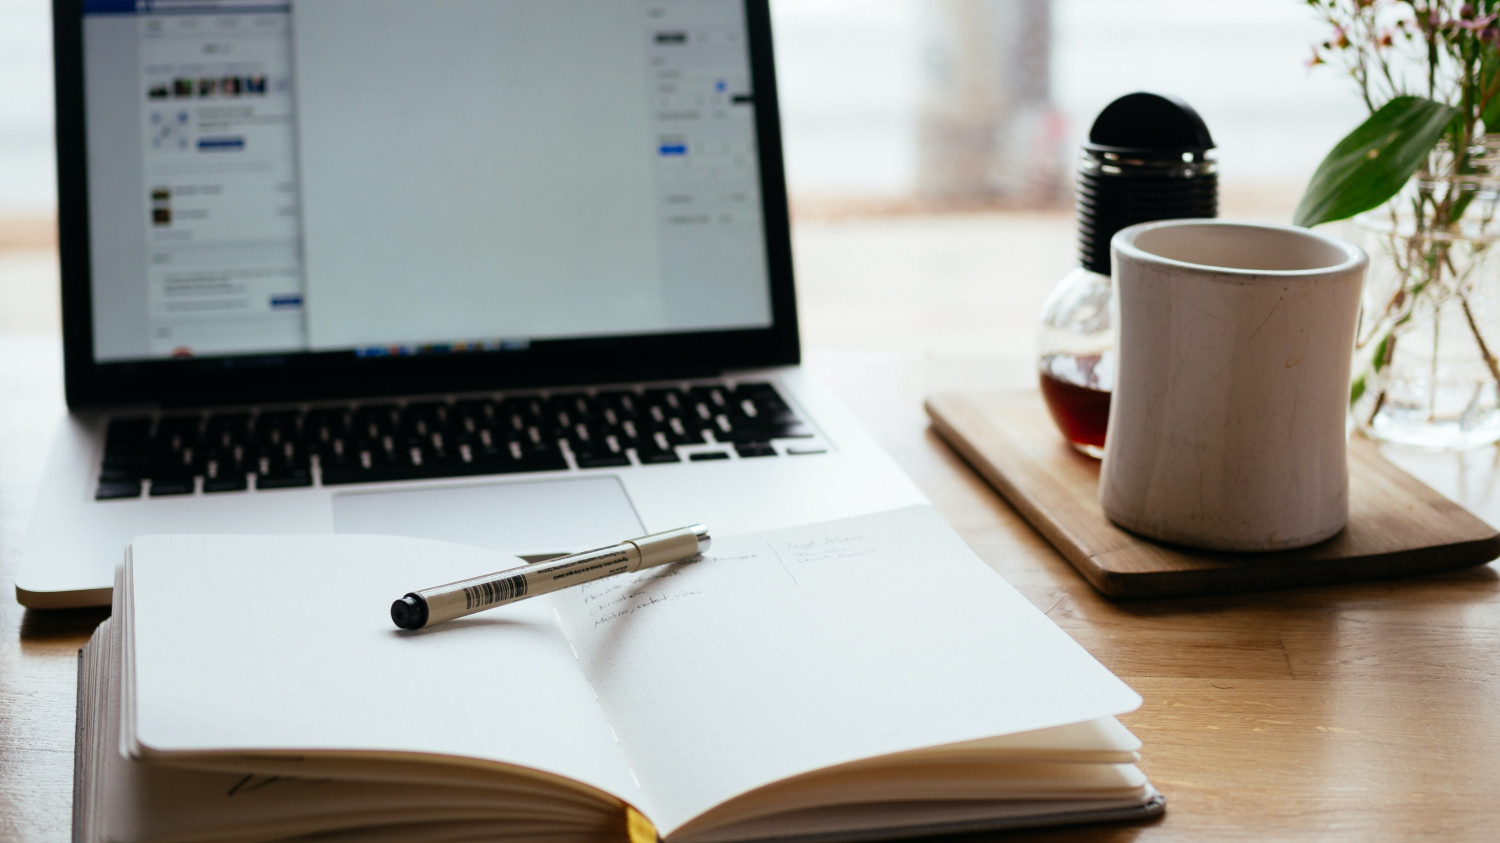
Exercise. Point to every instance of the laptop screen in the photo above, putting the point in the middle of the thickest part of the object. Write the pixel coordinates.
(383, 178)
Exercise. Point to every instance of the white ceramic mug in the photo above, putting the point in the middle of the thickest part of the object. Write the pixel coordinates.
(1226, 427)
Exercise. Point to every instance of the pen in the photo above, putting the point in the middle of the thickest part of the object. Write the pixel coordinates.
(465, 597)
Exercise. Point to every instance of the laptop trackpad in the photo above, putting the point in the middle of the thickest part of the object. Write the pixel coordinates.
(548, 516)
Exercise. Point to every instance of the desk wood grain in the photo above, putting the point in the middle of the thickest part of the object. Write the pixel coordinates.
(1398, 526)
(1365, 712)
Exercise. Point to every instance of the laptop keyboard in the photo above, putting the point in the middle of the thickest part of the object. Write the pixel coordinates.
(334, 445)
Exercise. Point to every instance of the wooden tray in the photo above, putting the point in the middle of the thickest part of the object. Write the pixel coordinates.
(1397, 525)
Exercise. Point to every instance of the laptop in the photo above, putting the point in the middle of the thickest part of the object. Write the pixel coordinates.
(515, 273)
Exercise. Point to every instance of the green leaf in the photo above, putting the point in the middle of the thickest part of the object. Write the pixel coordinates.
(1488, 72)
(1357, 390)
(1374, 161)
(1382, 351)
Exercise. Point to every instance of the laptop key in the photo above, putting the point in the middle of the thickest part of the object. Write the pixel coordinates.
(325, 424)
(529, 409)
(625, 403)
(651, 454)
(603, 458)
(186, 427)
(541, 457)
(713, 396)
(227, 483)
(420, 421)
(763, 395)
(117, 489)
(578, 406)
(284, 480)
(755, 449)
(377, 421)
(171, 465)
(763, 433)
(169, 486)
(124, 469)
(680, 434)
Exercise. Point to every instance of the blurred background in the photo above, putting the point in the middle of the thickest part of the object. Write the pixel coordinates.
(929, 143)
(971, 101)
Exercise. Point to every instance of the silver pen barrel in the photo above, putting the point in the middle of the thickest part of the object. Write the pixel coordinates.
(465, 597)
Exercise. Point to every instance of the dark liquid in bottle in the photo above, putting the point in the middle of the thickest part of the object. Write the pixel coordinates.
(1077, 399)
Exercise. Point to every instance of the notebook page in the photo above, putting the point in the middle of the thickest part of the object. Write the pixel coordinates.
(285, 643)
(794, 650)
(145, 802)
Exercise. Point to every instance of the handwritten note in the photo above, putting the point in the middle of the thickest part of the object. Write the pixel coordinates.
(612, 599)
(827, 548)
(606, 601)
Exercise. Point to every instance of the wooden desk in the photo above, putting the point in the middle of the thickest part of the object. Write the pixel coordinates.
(1363, 713)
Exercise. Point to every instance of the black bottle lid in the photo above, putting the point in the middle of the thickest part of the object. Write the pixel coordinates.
(1148, 157)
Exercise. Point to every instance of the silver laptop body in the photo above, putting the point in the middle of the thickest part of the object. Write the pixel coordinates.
(511, 273)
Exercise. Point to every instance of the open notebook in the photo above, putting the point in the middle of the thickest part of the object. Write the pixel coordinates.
(849, 680)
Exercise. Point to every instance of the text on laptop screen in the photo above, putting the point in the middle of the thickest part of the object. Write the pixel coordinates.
(389, 176)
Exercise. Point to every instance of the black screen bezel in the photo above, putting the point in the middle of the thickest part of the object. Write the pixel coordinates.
(316, 375)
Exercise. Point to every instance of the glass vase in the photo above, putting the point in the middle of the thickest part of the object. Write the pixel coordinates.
(1425, 371)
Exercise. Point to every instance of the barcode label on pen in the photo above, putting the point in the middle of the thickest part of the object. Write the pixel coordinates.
(490, 593)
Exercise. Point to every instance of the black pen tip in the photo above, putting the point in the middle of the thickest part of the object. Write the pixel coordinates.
(410, 612)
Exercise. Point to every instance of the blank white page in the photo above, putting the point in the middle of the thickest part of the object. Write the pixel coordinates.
(153, 802)
(285, 644)
(794, 650)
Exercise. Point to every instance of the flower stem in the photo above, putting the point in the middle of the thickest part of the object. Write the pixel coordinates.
(1432, 392)
(1484, 349)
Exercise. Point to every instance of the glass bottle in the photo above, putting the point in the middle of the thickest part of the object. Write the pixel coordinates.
(1076, 361)
(1148, 157)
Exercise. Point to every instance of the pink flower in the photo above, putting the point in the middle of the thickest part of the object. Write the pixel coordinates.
(1473, 25)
